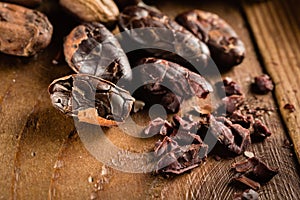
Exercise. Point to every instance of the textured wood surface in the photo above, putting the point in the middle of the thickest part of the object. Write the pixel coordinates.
(43, 157)
(276, 28)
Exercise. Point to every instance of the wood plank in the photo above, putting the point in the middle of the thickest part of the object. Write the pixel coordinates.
(209, 181)
(61, 165)
(275, 25)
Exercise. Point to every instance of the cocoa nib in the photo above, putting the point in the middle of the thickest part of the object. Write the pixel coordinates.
(248, 194)
(181, 149)
(255, 169)
(158, 126)
(261, 131)
(289, 107)
(229, 87)
(180, 153)
(262, 84)
(247, 181)
(231, 103)
(238, 118)
(233, 136)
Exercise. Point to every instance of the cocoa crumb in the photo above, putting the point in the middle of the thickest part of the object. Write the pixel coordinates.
(262, 84)
(261, 131)
(229, 87)
(289, 107)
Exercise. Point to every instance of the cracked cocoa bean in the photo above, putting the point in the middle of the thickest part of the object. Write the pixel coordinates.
(91, 99)
(227, 50)
(92, 49)
(162, 36)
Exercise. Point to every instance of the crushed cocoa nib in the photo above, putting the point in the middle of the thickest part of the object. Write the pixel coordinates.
(158, 126)
(180, 153)
(247, 181)
(289, 107)
(261, 131)
(262, 173)
(238, 118)
(245, 165)
(262, 84)
(255, 169)
(185, 124)
(229, 87)
(233, 136)
(231, 103)
(241, 138)
(181, 149)
(248, 194)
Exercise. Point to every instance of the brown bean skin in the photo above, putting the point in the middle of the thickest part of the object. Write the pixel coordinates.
(227, 50)
(91, 99)
(92, 49)
(24, 32)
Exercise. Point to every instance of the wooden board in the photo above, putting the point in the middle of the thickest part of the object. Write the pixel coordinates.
(275, 25)
(42, 157)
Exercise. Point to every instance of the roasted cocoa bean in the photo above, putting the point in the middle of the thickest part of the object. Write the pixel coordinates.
(24, 32)
(92, 49)
(91, 99)
(162, 36)
(105, 11)
(226, 48)
(168, 83)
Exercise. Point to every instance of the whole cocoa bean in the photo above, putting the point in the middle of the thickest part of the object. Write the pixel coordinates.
(105, 11)
(226, 48)
(24, 32)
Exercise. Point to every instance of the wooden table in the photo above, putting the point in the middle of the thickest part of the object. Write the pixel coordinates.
(43, 157)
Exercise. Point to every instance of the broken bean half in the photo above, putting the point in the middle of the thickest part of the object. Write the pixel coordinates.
(91, 99)
(92, 49)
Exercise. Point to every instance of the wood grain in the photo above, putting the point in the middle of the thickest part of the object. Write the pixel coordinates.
(275, 26)
(42, 157)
